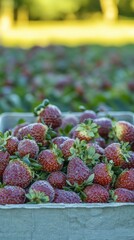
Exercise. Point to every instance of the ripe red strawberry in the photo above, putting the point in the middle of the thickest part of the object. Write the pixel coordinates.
(12, 145)
(130, 161)
(41, 191)
(63, 196)
(126, 179)
(51, 159)
(122, 195)
(86, 131)
(77, 171)
(37, 131)
(57, 179)
(117, 152)
(124, 131)
(12, 195)
(105, 125)
(48, 114)
(96, 194)
(103, 174)
(86, 115)
(17, 173)
(27, 146)
(59, 140)
(66, 146)
(4, 160)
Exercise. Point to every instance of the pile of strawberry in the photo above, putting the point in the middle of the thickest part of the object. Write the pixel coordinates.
(70, 158)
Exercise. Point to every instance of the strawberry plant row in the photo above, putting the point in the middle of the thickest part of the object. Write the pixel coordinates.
(93, 76)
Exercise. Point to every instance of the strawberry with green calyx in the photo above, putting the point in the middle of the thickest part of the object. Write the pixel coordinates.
(124, 131)
(78, 188)
(49, 114)
(41, 192)
(122, 195)
(130, 161)
(98, 149)
(12, 195)
(66, 146)
(86, 131)
(126, 179)
(104, 126)
(57, 179)
(95, 193)
(117, 152)
(37, 131)
(86, 115)
(17, 173)
(28, 147)
(77, 171)
(8, 142)
(87, 153)
(103, 173)
(51, 159)
(63, 196)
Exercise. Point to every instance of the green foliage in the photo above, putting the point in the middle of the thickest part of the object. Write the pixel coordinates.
(98, 78)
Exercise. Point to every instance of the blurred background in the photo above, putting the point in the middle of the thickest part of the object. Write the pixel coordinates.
(74, 52)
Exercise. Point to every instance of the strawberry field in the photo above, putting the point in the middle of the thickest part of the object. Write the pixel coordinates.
(95, 77)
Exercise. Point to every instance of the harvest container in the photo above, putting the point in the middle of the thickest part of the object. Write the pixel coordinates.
(110, 221)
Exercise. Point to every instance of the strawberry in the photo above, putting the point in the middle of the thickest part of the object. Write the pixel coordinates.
(17, 128)
(41, 191)
(132, 146)
(57, 179)
(69, 120)
(96, 194)
(124, 131)
(105, 125)
(17, 173)
(27, 146)
(117, 152)
(86, 131)
(126, 179)
(101, 142)
(122, 195)
(12, 195)
(51, 159)
(37, 131)
(77, 171)
(66, 146)
(59, 140)
(103, 174)
(48, 114)
(98, 149)
(63, 196)
(86, 115)
(130, 161)
(12, 145)
(4, 160)
(87, 153)
(8, 142)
